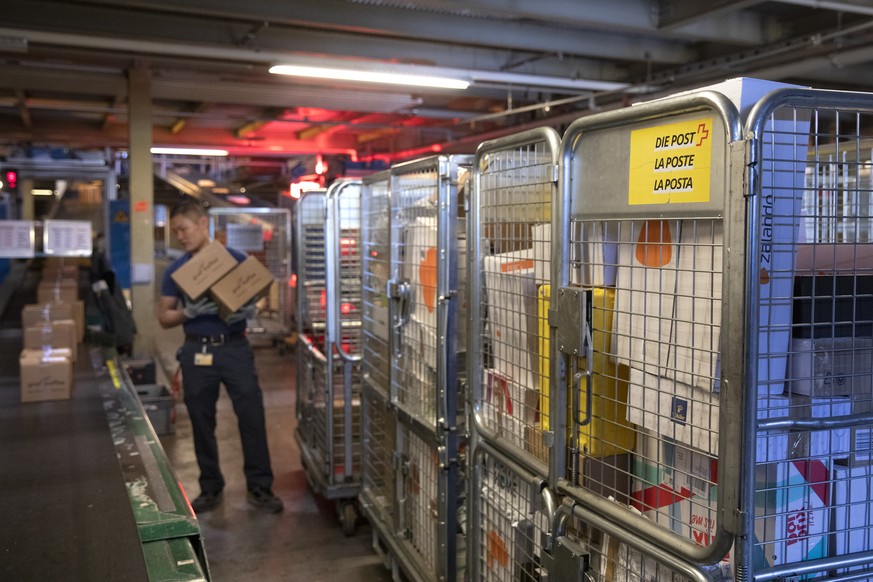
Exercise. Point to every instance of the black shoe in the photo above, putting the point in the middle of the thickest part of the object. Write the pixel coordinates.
(206, 501)
(263, 498)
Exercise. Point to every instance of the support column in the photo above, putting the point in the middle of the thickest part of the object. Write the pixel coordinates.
(142, 243)
(24, 187)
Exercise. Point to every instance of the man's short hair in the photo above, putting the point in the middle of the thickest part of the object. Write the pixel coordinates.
(191, 208)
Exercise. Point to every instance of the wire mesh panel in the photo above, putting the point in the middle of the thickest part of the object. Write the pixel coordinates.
(637, 309)
(311, 264)
(414, 254)
(375, 241)
(515, 181)
(425, 249)
(378, 494)
(264, 233)
(309, 246)
(329, 427)
(421, 502)
(344, 323)
(509, 521)
(426, 342)
(345, 197)
(310, 364)
(812, 318)
(378, 448)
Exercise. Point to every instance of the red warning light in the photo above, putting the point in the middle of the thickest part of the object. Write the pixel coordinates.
(12, 178)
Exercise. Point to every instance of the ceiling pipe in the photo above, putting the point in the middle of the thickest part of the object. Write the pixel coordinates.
(266, 58)
(847, 7)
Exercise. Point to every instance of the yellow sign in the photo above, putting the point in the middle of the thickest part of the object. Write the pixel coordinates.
(670, 164)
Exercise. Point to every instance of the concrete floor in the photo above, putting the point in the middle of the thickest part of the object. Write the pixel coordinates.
(303, 543)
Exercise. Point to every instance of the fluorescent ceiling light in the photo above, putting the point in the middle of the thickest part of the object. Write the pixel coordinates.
(189, 151)
(42, 192)
(370, 76)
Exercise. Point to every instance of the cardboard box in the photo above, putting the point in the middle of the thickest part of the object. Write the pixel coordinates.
(204, 270)
(57, 290)
(60, 333)
(656, 489)
(803, 503)
(511, 291)
(534, 443)
(599, 253)
(248, 280)
(37, 314)
(831, 367)
(699, 513)
(668, 299)
(672, 409)
(647, 317)
(52, 271)
(821, 444)
(852, 527)
(690, 415)
(45, 375)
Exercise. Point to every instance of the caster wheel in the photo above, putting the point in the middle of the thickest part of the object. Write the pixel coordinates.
(348, 517)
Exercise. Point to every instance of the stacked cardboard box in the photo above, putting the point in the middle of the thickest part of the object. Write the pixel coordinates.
(46, 374)
(229, 283)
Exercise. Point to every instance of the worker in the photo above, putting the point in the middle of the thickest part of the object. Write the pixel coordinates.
(216, 351)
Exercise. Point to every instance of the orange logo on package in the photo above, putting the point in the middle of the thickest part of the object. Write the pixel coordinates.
(655, 244)
(496, 550)
(519, 265)
(427, 274)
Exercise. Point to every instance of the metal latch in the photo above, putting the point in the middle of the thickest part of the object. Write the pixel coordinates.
(573, 316)
(568, 562)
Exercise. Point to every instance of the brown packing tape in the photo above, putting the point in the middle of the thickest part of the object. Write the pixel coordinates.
(37, 313)
(64, 290)
(61, 334)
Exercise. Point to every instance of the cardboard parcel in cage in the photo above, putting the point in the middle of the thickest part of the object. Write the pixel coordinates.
(669, 276)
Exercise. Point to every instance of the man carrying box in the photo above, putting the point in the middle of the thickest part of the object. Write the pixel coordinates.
(216, 351)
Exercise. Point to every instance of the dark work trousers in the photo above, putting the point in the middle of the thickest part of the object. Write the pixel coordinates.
(233, 364)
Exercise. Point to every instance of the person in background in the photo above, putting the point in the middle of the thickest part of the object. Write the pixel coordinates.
(216, 351)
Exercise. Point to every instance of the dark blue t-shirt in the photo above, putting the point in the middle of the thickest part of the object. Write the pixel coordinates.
(203, 324)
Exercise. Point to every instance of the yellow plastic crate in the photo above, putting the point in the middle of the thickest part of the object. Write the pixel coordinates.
(609, 432)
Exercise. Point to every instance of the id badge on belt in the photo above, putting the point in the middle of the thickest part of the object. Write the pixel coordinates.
(203, 358)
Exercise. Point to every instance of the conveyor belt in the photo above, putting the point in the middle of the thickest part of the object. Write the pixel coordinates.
(65, 511)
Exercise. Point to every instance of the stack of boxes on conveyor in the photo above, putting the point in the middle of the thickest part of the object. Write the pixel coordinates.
(230, 284)
(52, 329)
